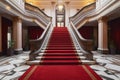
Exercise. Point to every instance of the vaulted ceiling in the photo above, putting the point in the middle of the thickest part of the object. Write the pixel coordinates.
(47, 3)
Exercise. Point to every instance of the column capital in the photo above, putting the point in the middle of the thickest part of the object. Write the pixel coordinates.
(103, 19)
(17, 18)
(53, 3)
(67, 2)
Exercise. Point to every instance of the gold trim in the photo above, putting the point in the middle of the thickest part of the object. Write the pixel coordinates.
(30, 73)
(89, 73)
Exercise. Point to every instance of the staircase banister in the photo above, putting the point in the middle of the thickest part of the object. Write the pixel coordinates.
(39, 10)
(38, 17)
(85, 44)
(80, 36)
(36, 44)
(43, 34)
(82, 10)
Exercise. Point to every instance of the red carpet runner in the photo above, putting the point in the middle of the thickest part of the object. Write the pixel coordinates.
(70, 72)
(60, 49)
(60, 61)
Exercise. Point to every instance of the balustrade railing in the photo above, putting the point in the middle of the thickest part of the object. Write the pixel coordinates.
(93, 10)
(89, 13)
(85, 45)
(33, 14)
(28, 11)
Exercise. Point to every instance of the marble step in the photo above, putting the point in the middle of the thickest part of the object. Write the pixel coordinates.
(90, 62)
(62, 57)
(60, 62)
(55, 47)
(65, 54)
(60, 46)
(60, 50)
(37, 62)
(80, 54)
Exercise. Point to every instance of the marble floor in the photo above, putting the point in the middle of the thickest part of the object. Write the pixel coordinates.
(108, 66)
(11, 68)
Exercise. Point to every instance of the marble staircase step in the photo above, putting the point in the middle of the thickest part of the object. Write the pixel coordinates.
(37, 62)
(60, 57)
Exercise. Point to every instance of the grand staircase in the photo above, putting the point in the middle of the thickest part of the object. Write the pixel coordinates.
(60, 50)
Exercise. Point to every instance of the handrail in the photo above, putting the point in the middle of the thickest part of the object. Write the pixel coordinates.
(41, 38)
(36, 44)
(85, 44)
(43, 34)
(81, 37)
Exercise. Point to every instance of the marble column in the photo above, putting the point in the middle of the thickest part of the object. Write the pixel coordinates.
(95, 36)
(17, 34)
(103, 35)
(53, 13)
(0, 34)
(67, 13)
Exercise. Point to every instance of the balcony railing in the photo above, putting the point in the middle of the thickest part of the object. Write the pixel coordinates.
(27, 11)
(92, 11)
(30, 13)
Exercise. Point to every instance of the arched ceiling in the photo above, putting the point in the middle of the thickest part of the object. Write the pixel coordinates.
(46, 3)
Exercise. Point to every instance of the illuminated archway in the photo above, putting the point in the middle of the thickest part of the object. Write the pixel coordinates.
(60, 15)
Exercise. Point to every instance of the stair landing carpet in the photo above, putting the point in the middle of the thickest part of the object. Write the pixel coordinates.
(61, 72)
(60, 61)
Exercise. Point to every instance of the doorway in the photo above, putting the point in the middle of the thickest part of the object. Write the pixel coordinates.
(60, 16)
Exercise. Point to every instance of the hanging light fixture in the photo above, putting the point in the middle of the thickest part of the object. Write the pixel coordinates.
(60, 7)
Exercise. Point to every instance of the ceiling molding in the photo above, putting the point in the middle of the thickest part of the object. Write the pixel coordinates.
(44, 3)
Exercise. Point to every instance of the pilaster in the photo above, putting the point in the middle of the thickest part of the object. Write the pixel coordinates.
(17, 34)
(103, 35)
(0, 34)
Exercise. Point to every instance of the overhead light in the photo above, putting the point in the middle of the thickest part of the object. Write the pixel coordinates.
(31, 3)
(60, 7)
(8, 7)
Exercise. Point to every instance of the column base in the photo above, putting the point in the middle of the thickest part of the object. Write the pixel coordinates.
(18, 52)
(1, 53)
(103, 51)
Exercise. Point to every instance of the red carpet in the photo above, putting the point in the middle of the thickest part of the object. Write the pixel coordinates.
(60, 61)
(60, 43)
(75, 72)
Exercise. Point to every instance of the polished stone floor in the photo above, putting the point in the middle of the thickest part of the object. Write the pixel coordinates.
(108, 66)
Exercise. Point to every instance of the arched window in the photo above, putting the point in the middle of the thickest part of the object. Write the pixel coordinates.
(60, 15)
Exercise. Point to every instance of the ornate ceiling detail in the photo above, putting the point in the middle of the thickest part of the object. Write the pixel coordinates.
(45, 3)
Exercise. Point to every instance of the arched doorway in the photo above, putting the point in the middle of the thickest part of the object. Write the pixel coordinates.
(60, 16)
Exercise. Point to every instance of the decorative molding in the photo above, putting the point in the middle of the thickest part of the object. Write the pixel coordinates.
(67, 2)
(53, 3)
